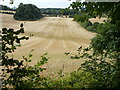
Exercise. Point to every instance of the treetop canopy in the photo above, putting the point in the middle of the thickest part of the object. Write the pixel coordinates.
(27, 12)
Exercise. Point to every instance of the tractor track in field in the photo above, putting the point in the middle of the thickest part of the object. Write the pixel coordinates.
(54, 35)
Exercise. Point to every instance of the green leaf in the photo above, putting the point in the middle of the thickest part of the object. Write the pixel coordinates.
(30, 55)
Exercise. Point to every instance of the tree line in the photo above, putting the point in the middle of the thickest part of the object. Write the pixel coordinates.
(57, 11)
(29, 12)
(4, 7)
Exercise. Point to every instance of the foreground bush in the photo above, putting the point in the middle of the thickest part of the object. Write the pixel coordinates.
(18, 73)
(27, 12)
(76, 79)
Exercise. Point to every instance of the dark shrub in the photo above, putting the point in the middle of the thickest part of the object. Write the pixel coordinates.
(93, 28)
(86, 24)
(90, 28)
(95, 25)
(27, 12)
(82, 24)
(99, 28)
(107, 29)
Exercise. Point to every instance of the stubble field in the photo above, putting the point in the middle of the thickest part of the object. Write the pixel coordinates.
(54, 35)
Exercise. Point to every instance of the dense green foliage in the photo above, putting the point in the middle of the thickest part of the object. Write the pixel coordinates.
(89, 26)
(18, 73)
(104, 61)
(27, 12)
(83, 19)
(76, 79)
(86, 24)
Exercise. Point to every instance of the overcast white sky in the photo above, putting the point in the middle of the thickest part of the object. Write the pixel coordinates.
(40, 3)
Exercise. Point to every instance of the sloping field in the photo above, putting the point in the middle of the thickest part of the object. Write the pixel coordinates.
(53, 35)
(100, 20)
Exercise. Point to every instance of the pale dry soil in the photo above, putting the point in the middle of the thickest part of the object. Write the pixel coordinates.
(54, 35)
(97, 19)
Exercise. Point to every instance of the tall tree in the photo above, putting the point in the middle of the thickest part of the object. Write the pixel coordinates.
(27, 12)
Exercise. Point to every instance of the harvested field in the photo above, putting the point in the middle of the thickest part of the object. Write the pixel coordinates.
(100, 20)
(54, 35)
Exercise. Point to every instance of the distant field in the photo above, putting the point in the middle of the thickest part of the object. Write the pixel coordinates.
(100, 20)
(54, 35)
(7, 11)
